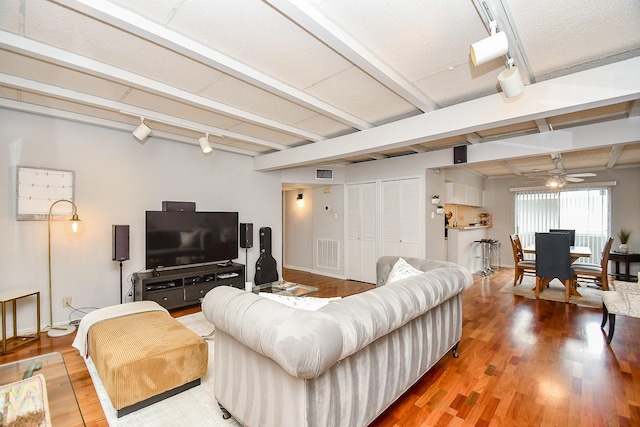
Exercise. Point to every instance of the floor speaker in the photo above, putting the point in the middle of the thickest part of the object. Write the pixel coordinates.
(460, 154)
(120, 235)
(246, 235)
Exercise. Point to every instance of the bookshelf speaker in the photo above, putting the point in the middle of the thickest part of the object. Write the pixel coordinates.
(460, 154)
(246, 235)
(120, 235)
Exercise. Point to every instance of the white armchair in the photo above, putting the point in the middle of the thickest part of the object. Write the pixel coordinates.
(624, 300)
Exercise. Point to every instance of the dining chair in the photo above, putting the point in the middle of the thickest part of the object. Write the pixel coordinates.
(553, 261)
(599, 272)
(572, 233)
(521, 265)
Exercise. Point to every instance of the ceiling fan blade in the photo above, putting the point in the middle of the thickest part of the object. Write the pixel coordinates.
(578, 175)
(573, 179)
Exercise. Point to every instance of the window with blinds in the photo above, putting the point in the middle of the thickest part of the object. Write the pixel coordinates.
(585, 210)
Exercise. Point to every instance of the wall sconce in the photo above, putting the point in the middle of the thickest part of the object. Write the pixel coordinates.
(510, 80)
(205, 146)
(142, 132)
(299, 200)
(491, 47)
(74, 226)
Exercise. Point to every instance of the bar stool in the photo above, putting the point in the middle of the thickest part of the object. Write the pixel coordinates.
(485, 244)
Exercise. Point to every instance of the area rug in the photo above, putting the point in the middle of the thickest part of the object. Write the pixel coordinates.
(591, 297)
(194, 407)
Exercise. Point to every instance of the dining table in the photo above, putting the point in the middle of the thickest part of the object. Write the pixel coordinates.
(575, 252)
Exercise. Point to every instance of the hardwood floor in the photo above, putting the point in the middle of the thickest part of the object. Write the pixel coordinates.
(522, 363)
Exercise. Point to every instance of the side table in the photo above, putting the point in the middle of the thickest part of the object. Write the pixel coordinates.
(10, 297)
(627, 258)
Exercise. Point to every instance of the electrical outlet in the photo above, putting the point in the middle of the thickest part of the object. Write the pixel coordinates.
(66, 302)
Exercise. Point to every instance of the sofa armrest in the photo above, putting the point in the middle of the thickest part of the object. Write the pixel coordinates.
(304, 343)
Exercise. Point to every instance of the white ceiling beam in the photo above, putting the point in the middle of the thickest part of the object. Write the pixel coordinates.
(473, 138)
(513, 168)
(609, 84)
(616, 151)
(543, 125)
(128, 21)
(83, 98)
(110, 124)
(418, 148)
(63, 58)
(315, 22)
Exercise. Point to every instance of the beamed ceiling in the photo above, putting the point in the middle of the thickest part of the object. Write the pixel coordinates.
(336, 82)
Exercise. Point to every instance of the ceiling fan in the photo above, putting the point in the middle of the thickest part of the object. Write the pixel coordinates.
(558, 177)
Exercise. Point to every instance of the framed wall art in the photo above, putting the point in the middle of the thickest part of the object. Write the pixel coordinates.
(38, 188)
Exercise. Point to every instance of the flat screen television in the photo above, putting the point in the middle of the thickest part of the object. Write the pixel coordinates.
(182, 238)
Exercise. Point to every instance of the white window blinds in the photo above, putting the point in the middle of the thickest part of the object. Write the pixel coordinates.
(585, 210)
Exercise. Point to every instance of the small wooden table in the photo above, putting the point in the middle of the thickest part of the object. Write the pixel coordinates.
(627, 259)
(11, 296)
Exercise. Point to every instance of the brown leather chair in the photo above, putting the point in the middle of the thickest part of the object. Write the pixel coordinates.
(521, 265)
(597, 271)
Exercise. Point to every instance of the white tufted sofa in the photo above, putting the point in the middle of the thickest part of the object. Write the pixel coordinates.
(341, 365)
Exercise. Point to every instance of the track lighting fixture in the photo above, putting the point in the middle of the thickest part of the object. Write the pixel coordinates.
(142, 132)
(491, 47)
(205, 146)
(510, 80)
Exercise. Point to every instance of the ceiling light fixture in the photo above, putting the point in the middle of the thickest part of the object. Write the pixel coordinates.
(142, 132)
(491, 47)
(555, 182)
(205, 146)
(510, 80)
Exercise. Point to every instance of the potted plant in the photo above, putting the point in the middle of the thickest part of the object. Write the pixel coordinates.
(623, 235)
(440, 210)
(435, 199)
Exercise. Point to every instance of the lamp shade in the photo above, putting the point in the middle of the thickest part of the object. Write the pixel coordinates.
(489, 48)
(142, 132)
(511, 82)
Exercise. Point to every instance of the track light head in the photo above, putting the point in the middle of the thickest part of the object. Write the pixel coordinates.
(205, 146)
(142, 132)
(489, 48)
(510, 80)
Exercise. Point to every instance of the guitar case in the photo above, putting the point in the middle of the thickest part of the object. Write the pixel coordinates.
(266, 266)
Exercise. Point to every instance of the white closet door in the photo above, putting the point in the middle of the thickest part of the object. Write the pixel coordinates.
(401, 217)
(410, 217)
(390, 218)
(362, 234)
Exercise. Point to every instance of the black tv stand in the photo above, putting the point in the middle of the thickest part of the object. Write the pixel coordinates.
(182, 287)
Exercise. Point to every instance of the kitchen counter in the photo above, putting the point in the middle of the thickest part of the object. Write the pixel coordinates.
(469, 227)
(461, 248)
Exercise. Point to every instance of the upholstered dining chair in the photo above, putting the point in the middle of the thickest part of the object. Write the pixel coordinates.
(521, 265)
(624, 300)
(600, 271)
(553, 261)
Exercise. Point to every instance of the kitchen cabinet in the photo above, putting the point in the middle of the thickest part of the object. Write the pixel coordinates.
(459, 194)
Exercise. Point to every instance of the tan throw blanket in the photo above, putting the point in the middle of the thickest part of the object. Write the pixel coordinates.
(82, 337)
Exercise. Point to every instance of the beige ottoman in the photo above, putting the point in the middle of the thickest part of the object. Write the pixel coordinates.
(146, 357)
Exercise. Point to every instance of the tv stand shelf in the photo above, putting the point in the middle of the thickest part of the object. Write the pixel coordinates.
(185, 286)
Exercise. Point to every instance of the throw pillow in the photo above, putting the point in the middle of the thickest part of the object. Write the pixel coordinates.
(401, 270)
(305, 303)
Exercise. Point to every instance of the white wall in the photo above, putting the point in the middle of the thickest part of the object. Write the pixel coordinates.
(117, 180)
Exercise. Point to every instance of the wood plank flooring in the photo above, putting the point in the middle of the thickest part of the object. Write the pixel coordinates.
(522, 363)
